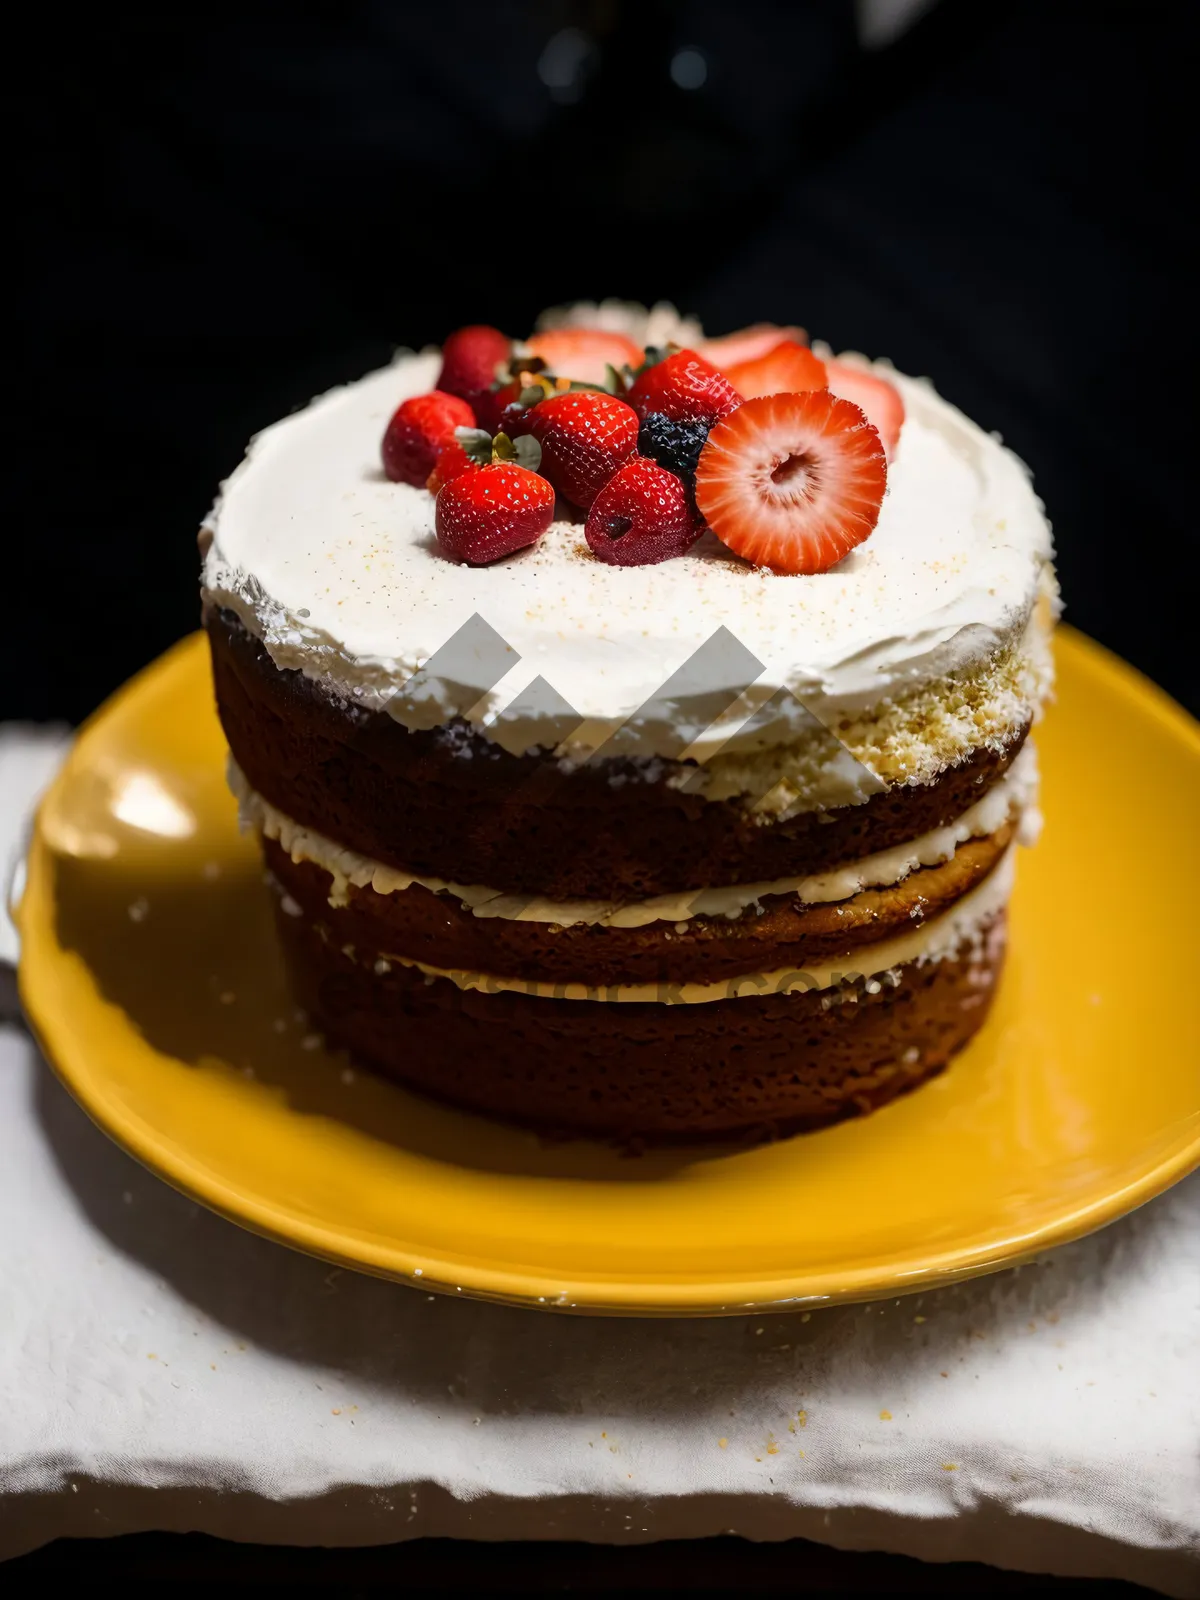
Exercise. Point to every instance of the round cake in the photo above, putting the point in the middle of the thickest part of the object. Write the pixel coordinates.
(641, 750)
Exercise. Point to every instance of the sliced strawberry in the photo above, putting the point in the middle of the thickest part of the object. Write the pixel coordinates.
(792, 481)
(643, 515)
(747, 344)
(492, 512)
(684, 387)
(584, 354)
(789, 368)
(876, 396)
(472, 359)
(585, 436)
(419, 431)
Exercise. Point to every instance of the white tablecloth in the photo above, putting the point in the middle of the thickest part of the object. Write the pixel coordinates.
(159, 1368)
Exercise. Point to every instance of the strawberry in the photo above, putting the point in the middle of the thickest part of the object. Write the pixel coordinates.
(641, 516)
(585, 436)
(787, 369)
(584, 354)
(876, 396)
(513, 401)
(492, 512)
(451, 464)
(471, 361)
(419, 431)
(747, 344)
(792, 481)
(684, 387)
(488, 407)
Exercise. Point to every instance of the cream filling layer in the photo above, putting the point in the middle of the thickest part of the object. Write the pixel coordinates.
(1014, 796)
(953, 933)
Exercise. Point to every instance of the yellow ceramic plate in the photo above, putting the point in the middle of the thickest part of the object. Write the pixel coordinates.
(149, 970)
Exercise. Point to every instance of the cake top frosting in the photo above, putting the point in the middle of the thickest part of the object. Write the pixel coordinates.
(340, 574)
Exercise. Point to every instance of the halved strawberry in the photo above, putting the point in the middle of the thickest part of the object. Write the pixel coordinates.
(792, 481)
(684, 387)
(584, 354)
(876, 396)
(747, 344)
(787, 369)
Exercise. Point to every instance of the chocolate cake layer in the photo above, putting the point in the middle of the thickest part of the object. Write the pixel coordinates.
(753, 1066)
(438, 930)
(450, 804)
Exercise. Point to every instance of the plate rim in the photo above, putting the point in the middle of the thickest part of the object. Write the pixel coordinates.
(596, 1296)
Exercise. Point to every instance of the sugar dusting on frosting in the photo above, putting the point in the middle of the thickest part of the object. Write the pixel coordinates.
(338, 572)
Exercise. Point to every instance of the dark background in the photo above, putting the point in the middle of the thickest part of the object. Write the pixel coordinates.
(223, 211)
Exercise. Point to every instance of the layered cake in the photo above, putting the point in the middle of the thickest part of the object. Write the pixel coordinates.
(635, 723)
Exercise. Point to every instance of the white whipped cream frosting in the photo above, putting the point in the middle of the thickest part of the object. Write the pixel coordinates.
(339, 573)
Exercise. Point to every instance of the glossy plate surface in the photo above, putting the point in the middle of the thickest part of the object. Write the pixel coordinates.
(150, 973)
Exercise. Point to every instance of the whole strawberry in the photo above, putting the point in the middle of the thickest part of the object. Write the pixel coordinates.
(419, 431)
(451, 464)
(492, 512)
(643, 515)
(471, 360)
(585, 436)
(684, 387)
(505, 409)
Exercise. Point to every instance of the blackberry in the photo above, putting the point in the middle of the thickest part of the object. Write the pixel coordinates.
(674, 445)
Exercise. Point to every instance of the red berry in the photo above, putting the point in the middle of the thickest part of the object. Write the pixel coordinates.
(876, 396)
(492, 512)
(451, 464)
(789, 368)
(641, 516)
(511, 412)
(471, 359)
(584, 354)
(419, 431)
(585, 436)
(792, 481)
(747, 344)
(489, 406)
(684, 387)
